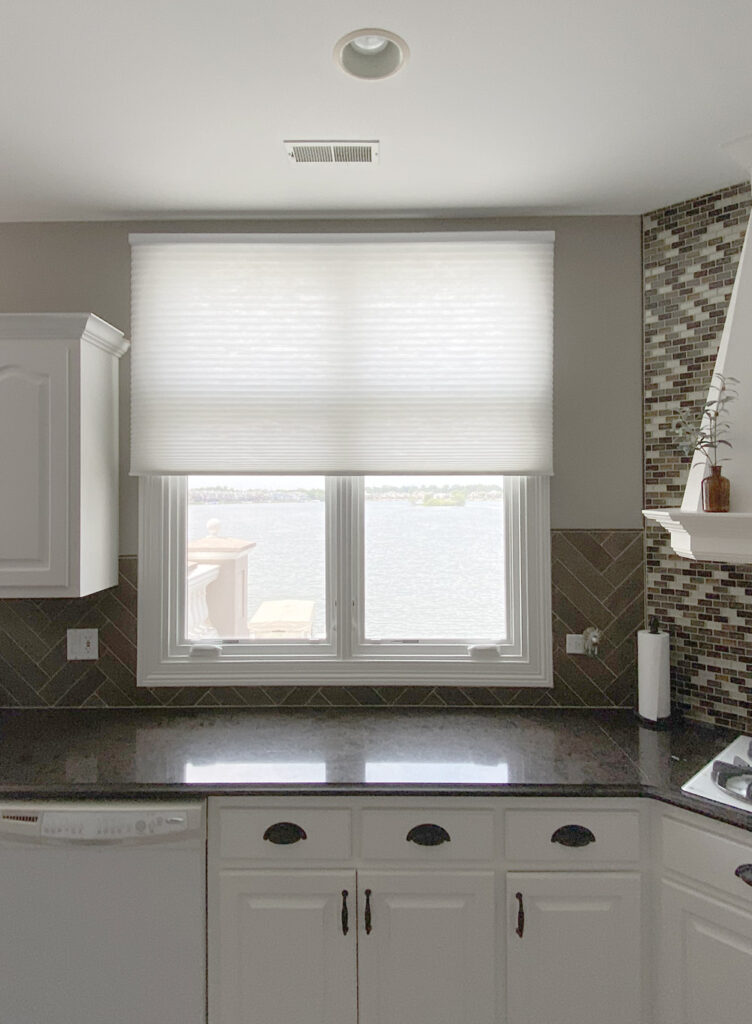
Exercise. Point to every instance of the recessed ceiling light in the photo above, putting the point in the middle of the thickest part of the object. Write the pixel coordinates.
(369, 44)
(371, 53)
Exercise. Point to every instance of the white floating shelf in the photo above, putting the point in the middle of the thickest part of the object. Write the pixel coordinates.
(707, 536)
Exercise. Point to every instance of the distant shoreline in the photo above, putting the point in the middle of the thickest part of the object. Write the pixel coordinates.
(422, 497)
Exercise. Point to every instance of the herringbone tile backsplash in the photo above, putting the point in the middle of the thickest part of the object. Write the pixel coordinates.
(597, 581)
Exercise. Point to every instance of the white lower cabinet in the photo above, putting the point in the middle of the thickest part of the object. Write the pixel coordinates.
(426, 950)
(281, 950)
(336, 947)
(296, 939)
(573, 947)
(360, 910)
(706, 964)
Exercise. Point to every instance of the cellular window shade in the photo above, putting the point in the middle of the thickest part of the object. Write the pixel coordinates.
(342, 354)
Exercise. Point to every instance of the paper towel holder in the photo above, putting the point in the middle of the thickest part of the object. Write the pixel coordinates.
(654, 687)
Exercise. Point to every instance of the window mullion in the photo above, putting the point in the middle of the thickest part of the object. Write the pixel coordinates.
(358, 561)
(348, 573)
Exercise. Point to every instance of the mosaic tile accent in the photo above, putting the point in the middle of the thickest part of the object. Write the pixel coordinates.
(690, 256)
(597, 580)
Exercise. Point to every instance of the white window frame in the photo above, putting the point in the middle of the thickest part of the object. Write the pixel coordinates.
(166, 658)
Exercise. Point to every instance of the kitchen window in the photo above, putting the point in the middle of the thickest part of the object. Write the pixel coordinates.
(344, 447)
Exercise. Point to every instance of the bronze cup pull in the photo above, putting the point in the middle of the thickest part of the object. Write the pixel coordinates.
(428, 835)
(282, 833)
(573, 835)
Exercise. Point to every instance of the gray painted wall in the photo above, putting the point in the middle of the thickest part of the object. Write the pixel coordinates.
(85, 267)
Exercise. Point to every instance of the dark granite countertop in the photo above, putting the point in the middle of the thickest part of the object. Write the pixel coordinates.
(126, 754)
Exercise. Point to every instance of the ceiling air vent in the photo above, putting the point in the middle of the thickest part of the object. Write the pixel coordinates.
(315, 151)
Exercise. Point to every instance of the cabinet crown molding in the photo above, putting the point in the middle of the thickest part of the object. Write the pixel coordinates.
(64, 327)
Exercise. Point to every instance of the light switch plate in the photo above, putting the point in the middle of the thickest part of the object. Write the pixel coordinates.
(575, 643)
(83, 644)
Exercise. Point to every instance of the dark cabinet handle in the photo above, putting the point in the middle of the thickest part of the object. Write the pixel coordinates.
(573, 835)
(520, 914)
(284, 832)
(345, 915)
(367, 914)
(744, 871)
(428, 835)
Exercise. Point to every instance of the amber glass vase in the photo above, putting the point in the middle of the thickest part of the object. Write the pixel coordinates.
(715, 491)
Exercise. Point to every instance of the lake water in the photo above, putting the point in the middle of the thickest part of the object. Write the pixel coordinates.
(430, 571)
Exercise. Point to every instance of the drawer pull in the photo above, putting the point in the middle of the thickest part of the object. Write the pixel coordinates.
(573, 835)
(744, 871)
(284, 832)
(520, 914)
(428, 835)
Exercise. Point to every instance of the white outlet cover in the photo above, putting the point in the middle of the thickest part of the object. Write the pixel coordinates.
(575, 643)
(83, 644)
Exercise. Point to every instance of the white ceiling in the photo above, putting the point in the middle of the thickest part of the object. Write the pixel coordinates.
(179, 108)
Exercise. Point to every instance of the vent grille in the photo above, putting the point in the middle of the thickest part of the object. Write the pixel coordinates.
(330, 152)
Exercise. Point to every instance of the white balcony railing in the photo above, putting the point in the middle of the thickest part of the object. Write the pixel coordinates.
(197, 620)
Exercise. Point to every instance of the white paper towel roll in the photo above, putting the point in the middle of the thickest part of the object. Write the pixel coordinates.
(653, 674)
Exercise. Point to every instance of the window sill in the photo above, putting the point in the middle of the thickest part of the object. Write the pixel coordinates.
(467, 671)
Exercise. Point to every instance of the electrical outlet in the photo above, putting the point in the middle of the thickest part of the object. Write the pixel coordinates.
(83, 644)
(575, 643)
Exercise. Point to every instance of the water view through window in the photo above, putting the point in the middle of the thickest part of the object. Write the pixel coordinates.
(267, 535)
(433, 557)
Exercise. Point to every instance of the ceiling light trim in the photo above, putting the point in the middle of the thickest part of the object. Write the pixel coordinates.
(377, 65)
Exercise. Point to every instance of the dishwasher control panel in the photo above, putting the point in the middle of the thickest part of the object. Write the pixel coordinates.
(112, 826)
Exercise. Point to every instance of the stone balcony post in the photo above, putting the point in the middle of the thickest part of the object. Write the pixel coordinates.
(227, 595)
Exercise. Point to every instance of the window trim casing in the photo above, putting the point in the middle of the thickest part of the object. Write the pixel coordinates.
(162, 660)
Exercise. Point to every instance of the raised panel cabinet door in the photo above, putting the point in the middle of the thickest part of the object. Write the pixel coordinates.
(573, 948)
(705, 970)
(34, 469)
(280, 949)
(426, 949)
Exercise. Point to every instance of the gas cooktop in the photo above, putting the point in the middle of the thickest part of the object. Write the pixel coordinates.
(727, 779)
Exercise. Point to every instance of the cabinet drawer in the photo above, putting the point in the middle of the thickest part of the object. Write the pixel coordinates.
(707, 858)
(324, 834)
(470, 835)
(564, 836)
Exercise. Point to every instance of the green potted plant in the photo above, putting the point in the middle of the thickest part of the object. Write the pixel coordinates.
(709, 439)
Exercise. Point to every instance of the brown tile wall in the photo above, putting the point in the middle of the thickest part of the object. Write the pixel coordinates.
(597, 580)
(690, 255)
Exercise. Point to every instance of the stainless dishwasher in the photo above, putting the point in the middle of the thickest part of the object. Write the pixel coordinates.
(102, 913)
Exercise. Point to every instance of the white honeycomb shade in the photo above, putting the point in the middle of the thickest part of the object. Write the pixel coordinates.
(342, 355)
(333, 152)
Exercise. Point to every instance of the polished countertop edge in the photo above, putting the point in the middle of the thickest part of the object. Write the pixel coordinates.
(186, 792)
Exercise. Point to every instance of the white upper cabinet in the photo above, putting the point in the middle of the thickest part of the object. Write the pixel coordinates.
(58, 454)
